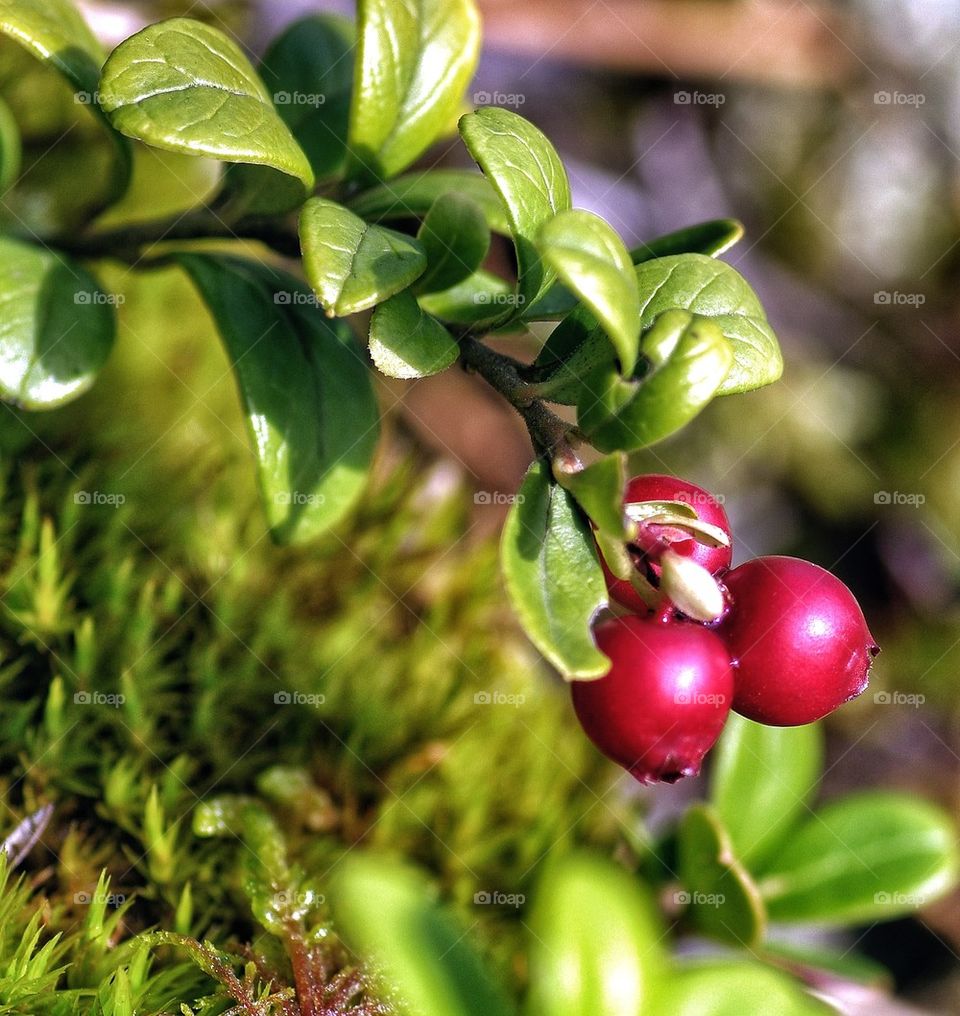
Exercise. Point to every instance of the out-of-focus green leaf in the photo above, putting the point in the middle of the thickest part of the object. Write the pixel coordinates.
(710, 238)
(481, 297)
(724, 988)
(9, 147)
(599, 489)
(455, 238)
(406, 342)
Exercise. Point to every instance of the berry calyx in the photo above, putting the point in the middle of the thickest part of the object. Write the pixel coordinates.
(798, 638)
(663, 703)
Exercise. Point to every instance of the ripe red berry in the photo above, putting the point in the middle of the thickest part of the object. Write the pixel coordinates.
(798, 638)
(662, 705)
(656, 487)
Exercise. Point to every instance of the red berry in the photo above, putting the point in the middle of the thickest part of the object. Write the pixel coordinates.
(662, 705)
(656, 487)
(798, 638)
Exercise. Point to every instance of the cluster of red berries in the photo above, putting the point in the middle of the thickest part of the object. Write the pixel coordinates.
(789, 646)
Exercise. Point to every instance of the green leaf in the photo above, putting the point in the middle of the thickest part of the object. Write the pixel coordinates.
(553, 575)
(9, 147)
(412, 195)
(406, 342)
(595, 946)
(185, 86)
(353, 265)
(764, 779)
(711, 238)
(723, 988)
(306, 393)
(308, 69)
(414, 62)
(591, 260)
(870, 857)
(56, 330)
(527, 173)
(724, 901)
(479, 298)
(455, 237)
(387, 912)
(599, 489)
(689, 358)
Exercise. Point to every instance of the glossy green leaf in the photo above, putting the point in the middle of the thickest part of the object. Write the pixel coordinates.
(592, 261)
(763, 781)
(689, 358)
(351, 264)
(527, 173)
(724, 988)
(308, 70)
(481, 297)
(724, 901)
(414, 62)
(56, 328)
(595, 944)
(187, 87)
(455, 238)
(306, 392)
(406, 342)
(412, 195)
(9, 147)
(553, 574)
(870, 857)
(710, 238)
(598, 489)
(388, 914)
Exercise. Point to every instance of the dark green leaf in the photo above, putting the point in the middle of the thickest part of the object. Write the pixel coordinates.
(56, 329)
(387, 912)
(481, 297)
(711, 238)
(309, 71)
(412, 195)
(724, 988)
(724, 902)
(455, 237)
(353, 265)
(870, 857)
(527, 173)
(553, 574)
(595, 946)
(414, 62)
(9, 147)
(406, 342)
(689, 358)
(764, 779)
(187, 87)
(598, 489)
(306, 393)
(591, 260)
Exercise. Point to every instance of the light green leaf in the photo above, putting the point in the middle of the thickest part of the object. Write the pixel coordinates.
(595, 945)
(764, 779)
(592, 261)
(351, 264)
(479, 298)
(412, 195)
(599, 489)
(187, 87)
(711, 238)
(56, 327)
(527, 173)
(308, 70)
(9, 147)
(306, 393)
(406, 342)
(870, 857)
(388, 914)
(455, 237)
(724, 901)
(724, 988)
(414, 62)
(553, 575)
